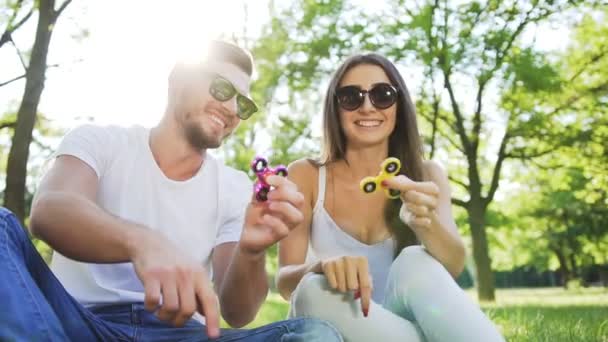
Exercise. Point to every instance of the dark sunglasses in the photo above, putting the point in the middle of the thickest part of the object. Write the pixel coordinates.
(381, 95)
(223, 90)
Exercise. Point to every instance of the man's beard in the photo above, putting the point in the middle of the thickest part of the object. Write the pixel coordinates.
(196, 136)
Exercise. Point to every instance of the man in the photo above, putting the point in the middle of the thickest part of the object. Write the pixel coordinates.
(139, 220)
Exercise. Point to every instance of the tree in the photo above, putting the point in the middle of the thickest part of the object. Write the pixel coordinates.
(14, 194)
(561, 224)
(15, 14)
(559, 221)
(581, 203)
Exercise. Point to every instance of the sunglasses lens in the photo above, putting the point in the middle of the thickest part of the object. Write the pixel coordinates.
(350, 97)
(245, 107)
(383, 95)
(221, 89)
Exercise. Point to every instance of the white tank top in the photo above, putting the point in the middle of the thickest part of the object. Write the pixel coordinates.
(328, 240)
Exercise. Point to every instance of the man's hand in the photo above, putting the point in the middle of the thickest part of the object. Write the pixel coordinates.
(268, 222)
(181, 281)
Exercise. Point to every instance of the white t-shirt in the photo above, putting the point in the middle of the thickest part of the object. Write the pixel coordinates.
(197, 214)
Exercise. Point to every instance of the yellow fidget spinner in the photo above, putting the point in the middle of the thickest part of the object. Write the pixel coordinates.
(389, 169)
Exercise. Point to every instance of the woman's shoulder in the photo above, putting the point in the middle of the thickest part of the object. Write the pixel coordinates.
(304, 170)
(304, 167)
(432, 165)
(304, 173)
(434, 172)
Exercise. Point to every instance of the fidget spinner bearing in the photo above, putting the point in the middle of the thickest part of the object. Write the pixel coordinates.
(388, 169)
(261, 169)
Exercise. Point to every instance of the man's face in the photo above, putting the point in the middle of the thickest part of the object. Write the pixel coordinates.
(204, 120)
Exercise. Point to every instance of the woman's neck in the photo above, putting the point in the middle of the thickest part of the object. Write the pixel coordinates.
(365, 161)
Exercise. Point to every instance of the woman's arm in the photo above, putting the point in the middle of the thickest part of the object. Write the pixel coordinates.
(427, 210)
(293, 248)
(442, 239)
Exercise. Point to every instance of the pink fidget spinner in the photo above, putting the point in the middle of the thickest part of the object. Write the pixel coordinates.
(260, 166)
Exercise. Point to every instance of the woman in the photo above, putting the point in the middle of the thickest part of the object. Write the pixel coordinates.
(377, 268)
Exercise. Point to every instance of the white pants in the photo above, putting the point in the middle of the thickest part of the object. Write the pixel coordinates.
(422, 303)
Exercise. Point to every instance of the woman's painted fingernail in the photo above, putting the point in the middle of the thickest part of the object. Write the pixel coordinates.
(365, 312)
(383, 183)
(357, 294)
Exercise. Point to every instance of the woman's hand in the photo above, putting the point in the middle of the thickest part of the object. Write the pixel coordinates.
(420, 199)
(427, 210)
(349, 273)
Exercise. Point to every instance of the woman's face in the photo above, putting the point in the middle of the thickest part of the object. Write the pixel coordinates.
(367, 125)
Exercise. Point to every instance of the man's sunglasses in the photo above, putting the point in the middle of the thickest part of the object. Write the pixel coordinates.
(381, 95)
(222, 90)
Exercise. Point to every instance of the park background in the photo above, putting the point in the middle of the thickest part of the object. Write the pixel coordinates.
(511, 96)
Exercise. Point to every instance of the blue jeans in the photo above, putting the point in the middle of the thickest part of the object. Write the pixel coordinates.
(36, 307)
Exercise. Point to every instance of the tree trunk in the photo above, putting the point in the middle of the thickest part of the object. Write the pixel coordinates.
(604, 275)
(483, 263)
(564, 270)
(16, 170)
(575, 271)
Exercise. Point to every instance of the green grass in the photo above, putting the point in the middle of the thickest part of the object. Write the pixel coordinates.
(546, 314)
(551, 314)
(274, 309)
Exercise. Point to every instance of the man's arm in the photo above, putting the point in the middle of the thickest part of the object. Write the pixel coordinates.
(239, 268)
(241, 282)
(66, 216)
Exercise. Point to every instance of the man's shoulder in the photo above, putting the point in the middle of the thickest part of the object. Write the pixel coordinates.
(108, 131)
(232, 175)
(234, 184)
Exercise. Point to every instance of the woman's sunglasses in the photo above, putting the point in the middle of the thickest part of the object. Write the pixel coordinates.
(381, 95)
(222, 90)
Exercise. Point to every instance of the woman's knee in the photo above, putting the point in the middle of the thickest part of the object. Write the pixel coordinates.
(314, 298)
(311, 286)
(307, 293)
(413, 255)
(415, 261)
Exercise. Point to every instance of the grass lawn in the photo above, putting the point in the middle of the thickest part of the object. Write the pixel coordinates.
(551, 314)
(545, 314)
